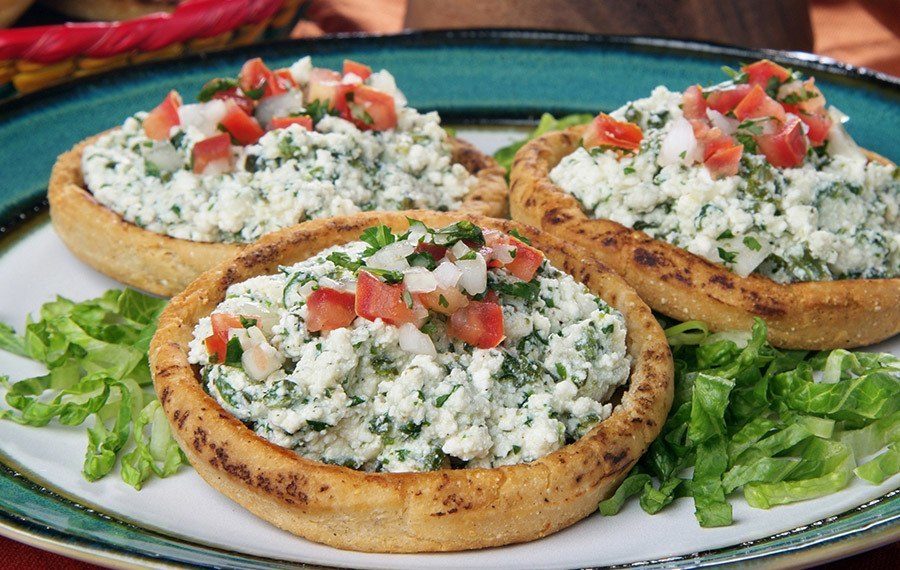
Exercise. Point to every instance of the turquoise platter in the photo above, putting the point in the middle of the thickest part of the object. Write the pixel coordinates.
(489, 77)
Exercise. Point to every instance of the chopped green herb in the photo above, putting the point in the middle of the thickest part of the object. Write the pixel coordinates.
(752, 243)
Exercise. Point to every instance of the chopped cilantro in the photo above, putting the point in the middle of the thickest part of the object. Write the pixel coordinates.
(214, 86)
(377, 237)
(317, 426)
(341, 259)
(727, 256)
(725, 235)
(752, 243)
(233, 352)
(515, 233)
(441, 400)
(459, 231)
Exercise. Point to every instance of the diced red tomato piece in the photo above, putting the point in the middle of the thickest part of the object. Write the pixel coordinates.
(241, 126)
(760, 72)
(437, 252)
(819, 125)
(786, 148)
(304, 121)
(713, 140)
(372, 109)
(693, 104)
(329, 309)
(376, 299)
(724, 100)
(758, 105)
(253, 78)
(242, 101)
(526, 262)
(606, 131)
(725, 161)
(217, 342)
(160, 120)
(361, 70)
(453, 300)
(478, 323)
(284, 78)
(215, 149)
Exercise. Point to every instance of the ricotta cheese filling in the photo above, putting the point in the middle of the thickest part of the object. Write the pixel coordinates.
(833, 216)
(289, 175)
(383, 396)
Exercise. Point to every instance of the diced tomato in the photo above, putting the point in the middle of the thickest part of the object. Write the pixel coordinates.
(758, 105)
(434, 250)
(713, 140)
(242, 101)
(526, 262)
(284, 78)
(606, 131)
(253, 78)
(786, 148)
(160, 120)
(359, 69)
(217, 342)
(241, 126)
(445, 301)
(478, 323)
(304, 121)
(760, 72)
(693, 104)
(810, 98)
(372, 109)
(724, 100)
(819, 125)
(329, 309)
(491, 297)
(725, 161)
(215, 149)
(376, 299)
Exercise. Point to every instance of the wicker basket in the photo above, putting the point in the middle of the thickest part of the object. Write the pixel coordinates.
(34, 58)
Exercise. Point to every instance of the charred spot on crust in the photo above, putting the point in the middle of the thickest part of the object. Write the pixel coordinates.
(557, 216)
(722, 280)
(615, 458)
(647, 258)
(165, 395)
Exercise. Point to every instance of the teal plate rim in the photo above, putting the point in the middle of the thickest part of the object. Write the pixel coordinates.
(41, 517)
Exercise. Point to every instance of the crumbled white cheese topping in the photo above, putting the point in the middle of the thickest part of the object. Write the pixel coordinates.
(835, 216)
(353, 396)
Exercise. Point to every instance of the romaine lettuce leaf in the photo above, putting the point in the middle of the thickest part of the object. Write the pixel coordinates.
(96, 355)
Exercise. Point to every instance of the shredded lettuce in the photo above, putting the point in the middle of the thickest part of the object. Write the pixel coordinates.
(96, 355)
(505, 155)
(779, 425)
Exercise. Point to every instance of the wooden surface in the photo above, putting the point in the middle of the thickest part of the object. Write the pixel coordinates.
(779, 24)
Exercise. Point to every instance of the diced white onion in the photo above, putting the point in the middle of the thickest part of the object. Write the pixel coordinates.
(384, 81)
(279, 106)
(351, 79)
(165, 156)
(725, 124)
(503, 253)
(330, 283)
(260, 361)
(415, 341)
(447, 275)
(216, 167)
(459, 249)
(473, 279)
(839, 141)
(392, 257)
(419, 280)
(301, 69)
(205, 117)
(679, 146)
(788, 88)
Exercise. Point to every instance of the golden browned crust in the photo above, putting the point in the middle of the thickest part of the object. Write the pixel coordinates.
(409, 512)
(675, 282)
(164, 265)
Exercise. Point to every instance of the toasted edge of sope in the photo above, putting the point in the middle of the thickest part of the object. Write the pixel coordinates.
(165, 265)
(444, 510)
